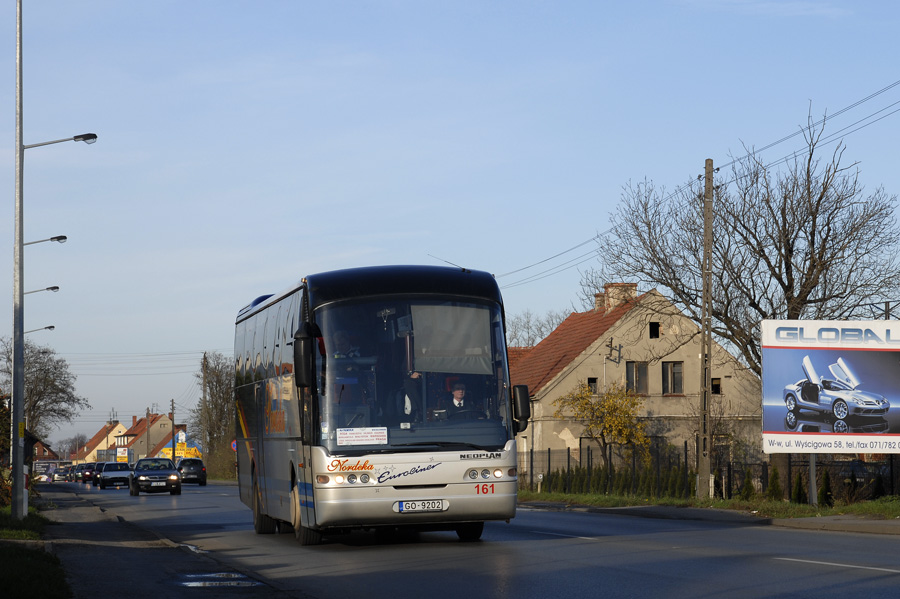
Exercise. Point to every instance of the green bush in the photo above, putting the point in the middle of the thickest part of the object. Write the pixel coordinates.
(774, 492)
(825, 496)
(747, 485)
(799, 493)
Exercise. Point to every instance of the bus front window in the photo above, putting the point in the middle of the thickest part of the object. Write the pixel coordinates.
(390, 371)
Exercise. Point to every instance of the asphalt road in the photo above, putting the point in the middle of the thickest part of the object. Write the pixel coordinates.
(542, 553)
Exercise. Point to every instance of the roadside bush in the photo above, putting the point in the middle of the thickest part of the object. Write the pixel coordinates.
(825, 496)
(774, 492)
(747, 485)
(799, 493)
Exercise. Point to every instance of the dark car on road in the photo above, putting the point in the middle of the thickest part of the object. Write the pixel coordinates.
(87, 472)
(192, 471)
(114, 474)
(95, 475)
(154, 475)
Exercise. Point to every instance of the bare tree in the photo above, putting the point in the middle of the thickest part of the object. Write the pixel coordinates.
(212, 418)
(803, 243)
(71, 445)
(526, 329)
(50, 397)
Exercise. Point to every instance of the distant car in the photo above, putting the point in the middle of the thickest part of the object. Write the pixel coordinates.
(95, 475)
(60, 474)
(87, 472)
(78, 472)
(192, 471)
(840, 397)
(154, 475)
(114, 474)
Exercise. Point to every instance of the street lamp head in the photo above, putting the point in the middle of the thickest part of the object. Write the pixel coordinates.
(87, 138)
(59, 239)
(50, 328)
(54, 288)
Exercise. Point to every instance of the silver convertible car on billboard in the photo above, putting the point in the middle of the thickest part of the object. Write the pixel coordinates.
(839, 396)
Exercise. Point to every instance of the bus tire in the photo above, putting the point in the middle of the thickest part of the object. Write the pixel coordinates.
(262, 524)
(470, 531)
(308, 536)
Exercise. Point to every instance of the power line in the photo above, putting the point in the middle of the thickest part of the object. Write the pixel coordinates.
(866, 121)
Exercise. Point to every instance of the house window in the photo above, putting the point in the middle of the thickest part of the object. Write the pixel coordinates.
(636, 377)
(716, 387)
(654, 330)
(592, 383)
(672, 378)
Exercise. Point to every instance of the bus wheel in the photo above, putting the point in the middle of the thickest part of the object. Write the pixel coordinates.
(308, 536)
(470, 531)
(262, 524)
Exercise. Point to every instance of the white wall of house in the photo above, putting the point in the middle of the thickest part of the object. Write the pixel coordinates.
(673, 415)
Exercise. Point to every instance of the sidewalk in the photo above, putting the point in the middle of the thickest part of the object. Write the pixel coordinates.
(103, 555)
(827, 523)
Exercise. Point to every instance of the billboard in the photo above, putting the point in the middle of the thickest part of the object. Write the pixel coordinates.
(831, 386)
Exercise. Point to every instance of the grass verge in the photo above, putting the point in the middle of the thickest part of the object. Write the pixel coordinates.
(883, 508)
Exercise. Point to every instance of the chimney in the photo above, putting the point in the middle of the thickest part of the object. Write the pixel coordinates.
(134, 421)
(599, 302)
(617, 294)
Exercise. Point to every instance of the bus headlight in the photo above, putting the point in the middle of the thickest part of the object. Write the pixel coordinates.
(364, 478)
(351, 479)
(322, 479)
(498, 473)
(485, 473)
(473, 474)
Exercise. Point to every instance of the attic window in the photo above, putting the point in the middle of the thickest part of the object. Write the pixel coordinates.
(592, 383)
(654, 330)
(716, 386)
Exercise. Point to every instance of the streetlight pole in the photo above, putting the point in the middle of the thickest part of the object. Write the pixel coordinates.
(19, 503)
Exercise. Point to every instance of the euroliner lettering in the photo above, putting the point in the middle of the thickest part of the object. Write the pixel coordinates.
(343, 387)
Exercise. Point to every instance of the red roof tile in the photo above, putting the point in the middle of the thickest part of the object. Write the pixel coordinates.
(560, 348)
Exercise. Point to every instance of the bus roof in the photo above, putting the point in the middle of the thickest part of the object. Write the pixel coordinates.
(369, 281)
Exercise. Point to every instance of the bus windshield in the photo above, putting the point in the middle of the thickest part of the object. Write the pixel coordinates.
(410, 375)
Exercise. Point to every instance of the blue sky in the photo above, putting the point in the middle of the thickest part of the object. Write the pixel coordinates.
(245, 144)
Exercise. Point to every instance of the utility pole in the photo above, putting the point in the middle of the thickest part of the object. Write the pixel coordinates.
(703, 450)
(204, 415)
(173, 429)
(147, 440)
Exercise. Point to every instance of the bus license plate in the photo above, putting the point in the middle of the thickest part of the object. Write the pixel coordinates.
(427, 505)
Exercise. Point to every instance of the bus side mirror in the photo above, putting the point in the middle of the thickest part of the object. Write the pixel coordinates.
(304, 343)
(521, 407)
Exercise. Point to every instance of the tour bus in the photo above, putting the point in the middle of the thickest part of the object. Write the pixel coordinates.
(344, 411)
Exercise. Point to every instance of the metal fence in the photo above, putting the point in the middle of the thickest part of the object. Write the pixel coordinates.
(669, 473)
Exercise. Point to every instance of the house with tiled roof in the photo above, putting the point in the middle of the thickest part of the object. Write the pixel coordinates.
(43, 452)
(101, 441)
(645, 344)
(147, 435)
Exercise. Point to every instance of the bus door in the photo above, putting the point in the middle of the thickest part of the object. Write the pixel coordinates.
(305, 470)
(261, 475)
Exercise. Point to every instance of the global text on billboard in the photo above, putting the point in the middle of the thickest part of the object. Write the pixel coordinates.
(831, 386)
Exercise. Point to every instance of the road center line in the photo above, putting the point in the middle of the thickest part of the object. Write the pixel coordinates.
(808, 561)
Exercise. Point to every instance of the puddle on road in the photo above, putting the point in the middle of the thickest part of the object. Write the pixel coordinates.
(219, 579)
